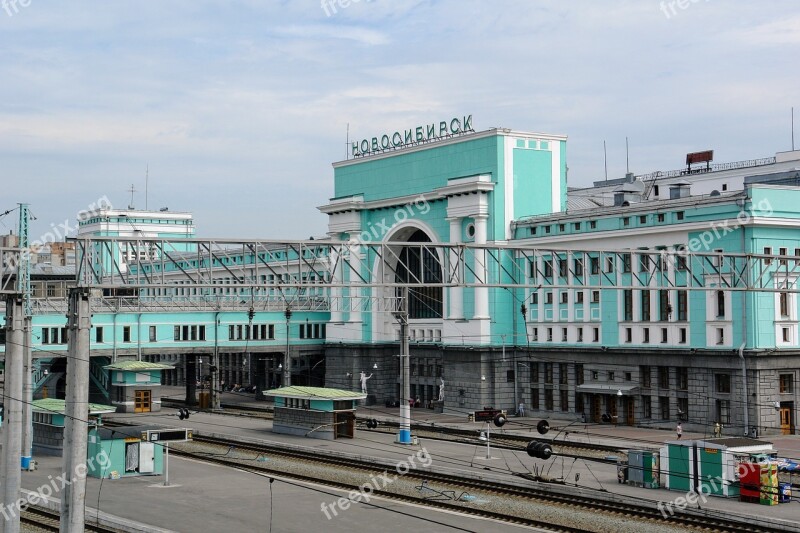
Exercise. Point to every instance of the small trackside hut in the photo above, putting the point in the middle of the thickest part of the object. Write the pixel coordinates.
(136, 386)
(315, 412)
(48, 417)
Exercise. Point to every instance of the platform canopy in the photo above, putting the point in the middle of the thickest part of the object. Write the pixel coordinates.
(54, 405)
(315, 393)
(137, 366)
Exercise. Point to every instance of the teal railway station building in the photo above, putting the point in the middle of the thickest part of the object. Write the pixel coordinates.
(607, 328)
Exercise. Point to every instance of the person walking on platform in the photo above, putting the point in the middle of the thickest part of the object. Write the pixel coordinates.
(521, 409)
(679, 431)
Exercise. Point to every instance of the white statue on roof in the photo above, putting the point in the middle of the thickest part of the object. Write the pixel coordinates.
(363, 380)
(441, 389)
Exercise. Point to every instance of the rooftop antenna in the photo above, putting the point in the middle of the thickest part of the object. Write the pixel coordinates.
(347, 145)
(146, 179)
(131, 190)
(792, 128)
(627, 158)
(605, 158)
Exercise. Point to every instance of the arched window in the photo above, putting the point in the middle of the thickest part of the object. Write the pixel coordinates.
(418, 266)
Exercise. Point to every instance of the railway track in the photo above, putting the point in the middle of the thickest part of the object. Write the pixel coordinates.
(445, 482)
(39, 519)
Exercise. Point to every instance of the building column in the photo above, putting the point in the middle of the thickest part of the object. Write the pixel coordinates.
(481, 311)
(456, 295)
(355, 290)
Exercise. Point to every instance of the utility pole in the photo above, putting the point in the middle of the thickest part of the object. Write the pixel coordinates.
(287, 367)
(12, 423)
(404, 434)
(73, 501)
(24, 288)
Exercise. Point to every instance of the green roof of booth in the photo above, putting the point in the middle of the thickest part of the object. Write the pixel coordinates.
(135, 366)
(315, 393)
(54, 405)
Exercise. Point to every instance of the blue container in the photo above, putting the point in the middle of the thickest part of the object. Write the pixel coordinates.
(784, 493)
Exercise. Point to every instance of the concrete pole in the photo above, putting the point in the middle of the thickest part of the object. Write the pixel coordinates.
(191, 379)
(404, 435)
(287, 360)
(27, 393)
(73, 499)
(12, 423)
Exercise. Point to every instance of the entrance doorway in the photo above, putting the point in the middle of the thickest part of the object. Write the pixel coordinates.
(787, 420)
(630, 411)
(597, 408)
(142, 401)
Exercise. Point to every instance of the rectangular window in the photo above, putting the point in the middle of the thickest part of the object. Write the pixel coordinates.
(626, 262)
(549, 334)
(177, 333)
(644, 373)
(534, 372)
(664, 336)
(783, 300)
(98, 335)
(595, 375)
(609, 265)
(683, 378)
(784, 252)
(595, 334)
(577, 225)
(562, 373)
(45, 336)
(627, 307)
(548, 399)
(548, 372)
(594, 265)
(646, 335)
(723, 383)
(611, 375)
(647, 408)
(565, 297)
(126, 334)
(786, 384)
(561, 227)
(645, 301)
(562, 268)
(785, 335)
(683, 408)
(683, 306)
(664, 308)
(644, 262)
(271, 331)
(578, 267)
(626, 221)
(548, 297)
(720, 297)
(628, 376)
(663, 377)
(510, 378)
(628, 335)
(767, 251)
(302, 331)
(682, 333)
(720, 336)
(592, 224)
(580, 334)
(535, 334)
(663, 403)
(579, 297)
(563, 334)
(533, 270)
(548, 268)
(680, 260)
(152, 334)
(579, 374)
(564, 400)
(642, 219)
(724, 411)
(535, 399)
(64, 337)
(202, 333)
(547, 229)
(660, 217)
(679, 215)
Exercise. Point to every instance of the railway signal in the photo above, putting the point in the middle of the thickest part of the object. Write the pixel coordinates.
(372, 423)
(183, 414)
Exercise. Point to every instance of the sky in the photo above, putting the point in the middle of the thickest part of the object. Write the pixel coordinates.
(236, 109)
